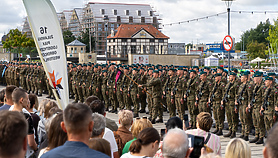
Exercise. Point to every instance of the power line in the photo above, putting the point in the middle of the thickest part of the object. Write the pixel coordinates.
(216, 15)
(196, 19)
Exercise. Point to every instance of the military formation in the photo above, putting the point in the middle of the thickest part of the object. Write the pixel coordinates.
(245, 97)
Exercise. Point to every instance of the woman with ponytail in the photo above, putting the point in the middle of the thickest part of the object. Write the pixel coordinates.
(145, 146)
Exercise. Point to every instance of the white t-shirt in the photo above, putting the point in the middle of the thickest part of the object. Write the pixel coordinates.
(109, 136)
(128, 155)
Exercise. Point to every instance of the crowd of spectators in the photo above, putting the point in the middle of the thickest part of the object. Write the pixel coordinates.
(31, 129)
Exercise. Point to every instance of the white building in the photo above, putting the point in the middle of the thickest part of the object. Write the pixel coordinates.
(136, 39)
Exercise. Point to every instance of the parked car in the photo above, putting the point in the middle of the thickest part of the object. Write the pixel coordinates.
(243, 57)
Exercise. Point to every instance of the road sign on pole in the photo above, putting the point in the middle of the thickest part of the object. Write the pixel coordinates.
(228, 43)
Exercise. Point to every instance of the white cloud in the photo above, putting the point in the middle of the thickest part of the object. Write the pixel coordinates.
(208, 30)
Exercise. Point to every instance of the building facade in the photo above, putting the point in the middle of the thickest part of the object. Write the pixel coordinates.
(176, 48)
(136, 39)
(92, 16)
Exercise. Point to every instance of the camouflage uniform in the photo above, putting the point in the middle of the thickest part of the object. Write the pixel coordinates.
(232, 116)
(169, 84)
(133, 88)
(191, 98)
(178, 92)
(203, 90)
(155, 83)
(244, 117)
(269, 112)
(218, 112)
(258, 119)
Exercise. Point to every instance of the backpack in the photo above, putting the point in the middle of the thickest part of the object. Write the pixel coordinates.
(119, 142)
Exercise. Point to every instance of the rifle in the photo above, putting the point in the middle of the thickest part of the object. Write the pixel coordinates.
(212, 95)
(200, 93)
(166, 87)
(188, 91)
(226, 95)
(240, 95)
(253, 98)
(175, 88)
(265, 101)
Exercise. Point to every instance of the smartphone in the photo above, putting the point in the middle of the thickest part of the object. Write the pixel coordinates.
(197, 143)
(185, 118)
(162, 133)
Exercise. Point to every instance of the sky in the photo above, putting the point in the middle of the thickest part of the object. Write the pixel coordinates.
(209, 30)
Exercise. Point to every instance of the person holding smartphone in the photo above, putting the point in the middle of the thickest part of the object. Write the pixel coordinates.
(204, 123)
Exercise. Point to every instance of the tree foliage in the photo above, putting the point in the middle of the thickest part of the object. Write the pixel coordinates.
(68, 37)
(85, 38)
(16, 41)
(259, 34)
(256, 49)
(273, 36)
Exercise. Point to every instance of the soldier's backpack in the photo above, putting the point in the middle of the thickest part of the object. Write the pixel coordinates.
(119, 143)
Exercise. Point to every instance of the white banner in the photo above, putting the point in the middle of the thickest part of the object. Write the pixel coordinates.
(141, 59)
(50, 45)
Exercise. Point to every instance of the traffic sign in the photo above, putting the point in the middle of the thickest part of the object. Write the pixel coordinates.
(228, 43)
(20, 55)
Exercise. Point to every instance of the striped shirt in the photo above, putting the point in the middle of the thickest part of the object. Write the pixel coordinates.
(214, 141)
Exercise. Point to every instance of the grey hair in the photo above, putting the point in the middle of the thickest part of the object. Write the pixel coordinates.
(99, 124)
(175, 144)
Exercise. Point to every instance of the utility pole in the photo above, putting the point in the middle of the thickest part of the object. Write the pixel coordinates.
(229, 4)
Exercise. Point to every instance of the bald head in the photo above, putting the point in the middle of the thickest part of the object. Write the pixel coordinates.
(175, 144)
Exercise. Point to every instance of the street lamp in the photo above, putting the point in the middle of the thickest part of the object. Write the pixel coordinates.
(106, 20)
(228, 4)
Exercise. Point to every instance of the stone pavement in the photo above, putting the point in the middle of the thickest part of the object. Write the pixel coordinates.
(256, 150)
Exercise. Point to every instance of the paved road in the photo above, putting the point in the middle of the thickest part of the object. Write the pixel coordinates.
(256, 150)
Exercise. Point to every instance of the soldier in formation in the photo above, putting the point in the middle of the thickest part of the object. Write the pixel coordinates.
(250, 99)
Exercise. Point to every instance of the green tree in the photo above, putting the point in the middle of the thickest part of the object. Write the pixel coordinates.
(256, 49)
(85, 38)
(259, 34)
(16, 41)
(273, 36)
(68, 37)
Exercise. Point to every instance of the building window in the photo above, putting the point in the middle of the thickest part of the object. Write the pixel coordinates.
(160, 40)
(144, 49)
(133, 49)
(124, 40)
(81, 49)
(127, 12)
(154, 20)
(139, 12)
(71, 50)
(142, 19)
(133, 40)
(112, 26)
(118, 19)
(124, 50)
(130, 19)
(102, 11)
(151, 13)
(115, 12)
(114, 50)
(151, 40)
(75, 50)
(162, 52)
(152, 51)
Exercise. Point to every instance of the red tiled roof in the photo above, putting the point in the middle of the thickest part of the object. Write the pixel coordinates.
(128, 30)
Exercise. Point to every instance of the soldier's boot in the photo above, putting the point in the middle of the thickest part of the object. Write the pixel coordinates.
(233, 135)
(159, 121)
(241, 136)
(215, 131)
(48, 96)
(254, 140)
(228, 134)
(219, 133)
(245, 138)
(153, 121)
(142, 111)
(260, 141)
(135, 115)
